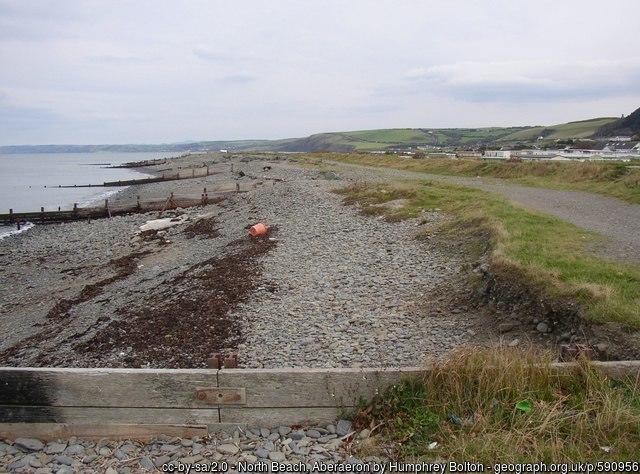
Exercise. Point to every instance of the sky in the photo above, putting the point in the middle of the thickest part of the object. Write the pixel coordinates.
(94, 72)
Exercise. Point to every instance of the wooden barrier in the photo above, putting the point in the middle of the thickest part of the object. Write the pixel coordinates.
(45, 402)
(110, 209)
(107, 399)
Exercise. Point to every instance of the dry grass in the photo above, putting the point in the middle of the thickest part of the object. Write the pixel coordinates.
(474, 405)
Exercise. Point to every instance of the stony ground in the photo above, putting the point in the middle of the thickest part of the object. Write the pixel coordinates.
(333, 289)
(330, 444)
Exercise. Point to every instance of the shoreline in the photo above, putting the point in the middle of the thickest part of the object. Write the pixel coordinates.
(7, 231)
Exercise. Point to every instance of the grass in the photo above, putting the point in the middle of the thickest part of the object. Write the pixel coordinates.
(507, 405)
(381, 139)
(579, 129)
(620, 180)
(551, 255)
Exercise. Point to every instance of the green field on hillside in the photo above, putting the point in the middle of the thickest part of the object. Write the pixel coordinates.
(579, 129)
(383, 139)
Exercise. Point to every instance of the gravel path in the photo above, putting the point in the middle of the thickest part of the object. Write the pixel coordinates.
(616, 219)
(330, 444)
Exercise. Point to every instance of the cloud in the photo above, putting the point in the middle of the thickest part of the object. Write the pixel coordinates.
(116, 59)
(507, 81)
(207, 54)
(237, 78)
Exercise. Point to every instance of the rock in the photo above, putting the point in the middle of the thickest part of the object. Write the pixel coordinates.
(602, 348)
(542, 327)
(230, 449)
(65, 470)
(284, 430)
(169, 448)
(22, 462)
(28, 444)
(120, 454)
(89, 459)
(55, 448)
(331, 429)
(74, 449)
(273, 436)
(514, 343)
(277, 456)
(146, 463)
(313, 434)
(159, 461)
(250, 458)
(264, 432)
(262, 453)
(111, 470)
(104, 451)
(364, 434)
(506, 327)
(62, 459)
(343, 427)
(297, 435)
(187, 443)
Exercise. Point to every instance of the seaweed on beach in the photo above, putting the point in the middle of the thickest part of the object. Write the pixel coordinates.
(189, 318)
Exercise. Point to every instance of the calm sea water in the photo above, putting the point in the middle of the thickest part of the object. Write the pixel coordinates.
(23, 179)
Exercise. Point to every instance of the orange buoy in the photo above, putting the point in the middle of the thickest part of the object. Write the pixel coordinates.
(258, 230)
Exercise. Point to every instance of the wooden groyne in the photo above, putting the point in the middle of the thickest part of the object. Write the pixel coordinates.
(181, 174)
(172, 201)
(140, 164)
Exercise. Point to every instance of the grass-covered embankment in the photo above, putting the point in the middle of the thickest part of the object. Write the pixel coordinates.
(549, 254)
(621, 180)
(507, 405)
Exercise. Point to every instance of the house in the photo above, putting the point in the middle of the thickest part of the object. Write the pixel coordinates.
(497, 154)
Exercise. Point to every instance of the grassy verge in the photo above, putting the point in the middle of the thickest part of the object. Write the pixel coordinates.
(552, 255)
(621, 180)
(504, 405)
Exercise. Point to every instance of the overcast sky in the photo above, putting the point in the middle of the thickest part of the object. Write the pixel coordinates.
(167, 71)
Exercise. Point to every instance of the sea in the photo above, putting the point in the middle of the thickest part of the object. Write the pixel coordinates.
(29, 181)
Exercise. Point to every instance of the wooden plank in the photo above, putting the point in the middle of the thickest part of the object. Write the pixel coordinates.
(222, 396)
(272, 417)
(92, 415)
(60, 387)
(53, 431)
(628, 370)
(269, 388)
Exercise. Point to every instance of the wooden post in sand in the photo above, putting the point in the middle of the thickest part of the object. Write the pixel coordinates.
(205, 197)
(138, 202)
(237, 187)
(106, 208)
(75, 209)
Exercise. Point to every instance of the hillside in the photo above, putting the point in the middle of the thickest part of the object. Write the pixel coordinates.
(578, 129)
(626, 126)
(382, 139)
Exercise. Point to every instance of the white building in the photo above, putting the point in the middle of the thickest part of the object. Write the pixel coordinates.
(497, 154)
